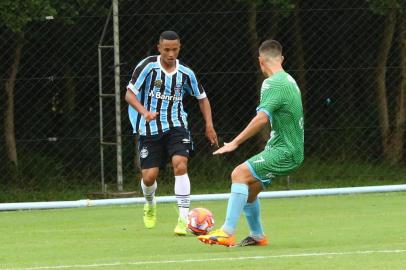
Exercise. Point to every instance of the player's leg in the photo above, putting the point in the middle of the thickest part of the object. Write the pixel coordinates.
(150, 153)
(242, 180)
(182, 192)
(178, 146)
(149, 186)
(252, 212)
(264, 167)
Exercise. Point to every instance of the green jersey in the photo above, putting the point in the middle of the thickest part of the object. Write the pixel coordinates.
(281, 101)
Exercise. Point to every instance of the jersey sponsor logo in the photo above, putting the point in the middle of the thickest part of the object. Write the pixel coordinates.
(261, 159)
(158, 83)
(144, 152)
(158, 95)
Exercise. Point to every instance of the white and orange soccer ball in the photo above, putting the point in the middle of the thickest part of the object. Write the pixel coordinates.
(200, 221)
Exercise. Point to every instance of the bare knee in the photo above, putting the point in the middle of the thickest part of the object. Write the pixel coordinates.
(149, 176)
(235, 174)
(241, 174)
(179, 165)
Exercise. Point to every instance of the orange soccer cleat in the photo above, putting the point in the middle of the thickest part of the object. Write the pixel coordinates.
(218, 237)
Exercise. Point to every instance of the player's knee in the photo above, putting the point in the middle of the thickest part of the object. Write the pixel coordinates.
(241, 174)
(236, 175)
(148, 181)
(180, 168)
(149, 176)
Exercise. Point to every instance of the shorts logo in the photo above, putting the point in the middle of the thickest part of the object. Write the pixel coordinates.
(158, 83)
(270, 175)
(144, 153)
(185, 140)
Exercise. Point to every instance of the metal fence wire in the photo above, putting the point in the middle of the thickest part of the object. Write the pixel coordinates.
(348, 57)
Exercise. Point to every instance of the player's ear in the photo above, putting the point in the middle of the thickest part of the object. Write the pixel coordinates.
(261, 60)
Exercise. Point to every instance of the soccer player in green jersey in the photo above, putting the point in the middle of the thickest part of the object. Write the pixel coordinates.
(281, 105)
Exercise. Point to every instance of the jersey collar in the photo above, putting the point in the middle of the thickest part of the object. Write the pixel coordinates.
(162, 68)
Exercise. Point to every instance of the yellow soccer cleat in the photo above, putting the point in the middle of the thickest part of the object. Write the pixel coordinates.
(181, 227)
(218, 237)
(150, 215)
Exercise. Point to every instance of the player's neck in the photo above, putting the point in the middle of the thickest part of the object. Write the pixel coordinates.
(274, 69)
(168, 67)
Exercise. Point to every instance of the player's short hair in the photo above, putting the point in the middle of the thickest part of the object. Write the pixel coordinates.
(271, 48)
(169, 35)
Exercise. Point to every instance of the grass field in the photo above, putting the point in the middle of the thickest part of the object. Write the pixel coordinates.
(338, 232)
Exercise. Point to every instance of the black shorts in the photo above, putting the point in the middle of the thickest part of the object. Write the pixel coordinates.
(155, 150)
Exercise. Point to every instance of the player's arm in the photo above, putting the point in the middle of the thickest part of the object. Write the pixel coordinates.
(210, 133)
(197, 90)
(256, 124)
(138, 77)
(132, 99)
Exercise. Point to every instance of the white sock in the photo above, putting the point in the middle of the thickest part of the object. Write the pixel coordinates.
(149, 192)
(182, 193)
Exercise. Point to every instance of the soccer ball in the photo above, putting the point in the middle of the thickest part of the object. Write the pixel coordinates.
(200, 221)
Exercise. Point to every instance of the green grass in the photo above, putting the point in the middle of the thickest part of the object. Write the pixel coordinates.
(49, 181)
(322, 232)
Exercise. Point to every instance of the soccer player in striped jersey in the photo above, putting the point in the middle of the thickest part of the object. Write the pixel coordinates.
(280, 105)
(155, 93)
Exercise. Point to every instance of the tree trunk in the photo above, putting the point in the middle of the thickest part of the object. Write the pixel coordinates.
(299, 54)
(9, 130)
(398, 134)
(254, 41)
(380, 77)
(69, 96)
(263, 135)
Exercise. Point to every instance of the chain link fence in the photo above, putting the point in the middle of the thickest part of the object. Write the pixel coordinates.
(349, 58)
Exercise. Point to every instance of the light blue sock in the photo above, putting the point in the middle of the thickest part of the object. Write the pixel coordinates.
(236, 202)
(252, 213)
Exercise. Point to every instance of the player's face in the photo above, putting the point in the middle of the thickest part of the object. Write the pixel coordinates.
(169, 50)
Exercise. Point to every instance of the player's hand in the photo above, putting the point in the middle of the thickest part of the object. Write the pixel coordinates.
(228, 147)
(211, 135)
(149, 116)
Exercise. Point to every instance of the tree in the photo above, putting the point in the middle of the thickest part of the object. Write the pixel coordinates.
(16, 15)
(282, 9)
(392, 125)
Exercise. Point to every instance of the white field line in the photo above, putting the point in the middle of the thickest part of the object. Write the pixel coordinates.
(318, 254)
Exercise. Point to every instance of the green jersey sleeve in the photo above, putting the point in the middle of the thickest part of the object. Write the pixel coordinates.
(271, 99)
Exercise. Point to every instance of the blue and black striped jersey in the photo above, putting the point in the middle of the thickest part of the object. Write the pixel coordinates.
(159, 91)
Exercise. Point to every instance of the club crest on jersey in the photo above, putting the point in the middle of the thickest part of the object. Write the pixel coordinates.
(178, 88)
(144, 152)
(158, 83)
